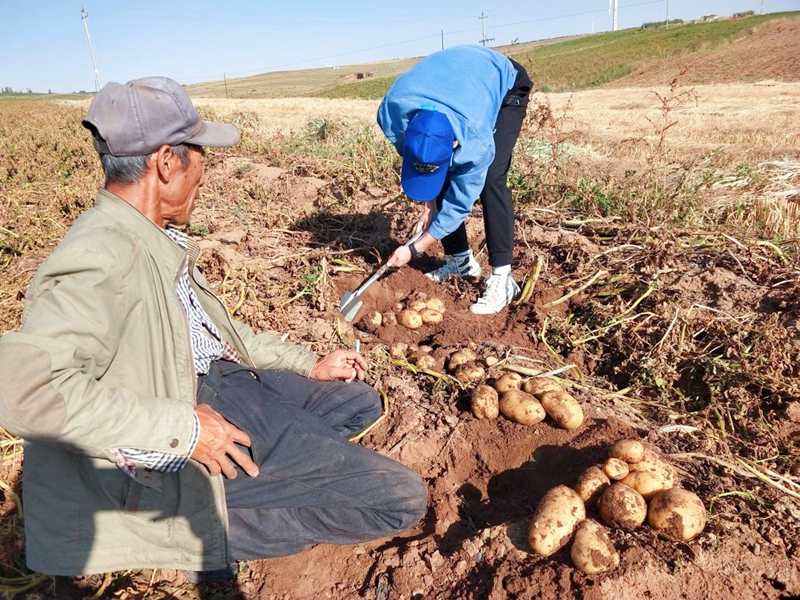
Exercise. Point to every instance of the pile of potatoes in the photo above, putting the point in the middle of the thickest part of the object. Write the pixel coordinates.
(411, 314)
(538, 397)
(639, 474)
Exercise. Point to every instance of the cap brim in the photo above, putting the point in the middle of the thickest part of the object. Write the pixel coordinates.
(422, 187)
(215, 135)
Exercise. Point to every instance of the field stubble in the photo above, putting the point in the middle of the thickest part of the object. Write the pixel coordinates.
(676, 227)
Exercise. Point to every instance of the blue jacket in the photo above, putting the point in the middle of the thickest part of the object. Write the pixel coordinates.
(468, 84)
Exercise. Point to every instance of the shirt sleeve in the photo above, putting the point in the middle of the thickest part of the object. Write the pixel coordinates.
(128, 459)
(466, 184)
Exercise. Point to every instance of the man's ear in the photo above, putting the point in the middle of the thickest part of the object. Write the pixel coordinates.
(163, 163)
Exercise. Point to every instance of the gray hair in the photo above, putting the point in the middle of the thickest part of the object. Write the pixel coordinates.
(126, 170)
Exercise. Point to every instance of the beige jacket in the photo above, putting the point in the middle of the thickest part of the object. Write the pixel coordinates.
(103, 361)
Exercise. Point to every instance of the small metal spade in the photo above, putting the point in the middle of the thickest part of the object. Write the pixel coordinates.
(349, 302)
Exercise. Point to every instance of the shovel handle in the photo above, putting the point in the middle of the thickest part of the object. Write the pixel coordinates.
(384, 267)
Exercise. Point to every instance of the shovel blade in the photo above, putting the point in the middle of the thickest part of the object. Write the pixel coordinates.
(349, 306)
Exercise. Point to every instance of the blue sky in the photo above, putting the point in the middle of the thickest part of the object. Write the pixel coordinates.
(43, 45)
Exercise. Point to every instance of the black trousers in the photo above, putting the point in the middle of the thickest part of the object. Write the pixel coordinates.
(498, 211)
(314, 486)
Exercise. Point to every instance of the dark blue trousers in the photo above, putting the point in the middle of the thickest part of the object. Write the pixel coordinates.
(314, 486)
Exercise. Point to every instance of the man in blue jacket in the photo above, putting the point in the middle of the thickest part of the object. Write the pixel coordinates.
(454, 118)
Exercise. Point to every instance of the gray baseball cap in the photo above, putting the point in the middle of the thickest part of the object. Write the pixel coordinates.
(137, 118)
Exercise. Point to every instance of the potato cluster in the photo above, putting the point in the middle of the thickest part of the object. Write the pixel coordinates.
(620, 488)
(538, 398)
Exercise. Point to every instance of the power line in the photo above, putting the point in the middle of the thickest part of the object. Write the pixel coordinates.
(484, 39)
(84, 16)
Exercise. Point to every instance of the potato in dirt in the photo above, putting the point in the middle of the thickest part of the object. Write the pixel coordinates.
(521, 408)
(485, 403)
(460, 357)
(631, 451)
(410, 319)
(622, 507)
(469, 372)
(591, 483)
(592, 550)
(678, 513)
(558, 514)
(563, 409)
(539, 385)
(507, 381)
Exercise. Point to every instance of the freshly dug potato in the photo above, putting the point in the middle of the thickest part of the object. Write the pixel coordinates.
(677, 512)
(398, 307)
(591, 484)
(490, 361)
(410, 319)
(425, 361)
(425, 348)
(389, 318)
(521, 408)
(469, 372)
(507, 381)
(555, 519)
(485, 403)
(417, 305)
(616, 469)
(646, 483)
(430, 316)
(539, 385)
(372, 320)
(592, 550)
(563, 409)
(631, 451)
(460, 357)
(398, 350)
(436, 304)
(652, 462)
(622, 507)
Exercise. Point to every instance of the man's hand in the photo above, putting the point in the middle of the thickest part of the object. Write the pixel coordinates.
(343, 365)
(216, 448)
(400, 257)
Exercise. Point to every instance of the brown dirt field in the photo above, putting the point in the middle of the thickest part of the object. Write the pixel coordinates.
(700, 306)
(770, 53)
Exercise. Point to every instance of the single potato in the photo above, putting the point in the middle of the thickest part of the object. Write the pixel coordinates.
(678, 513)
(631, 451)
(410, 319)
(398, 350)
(436, 304)
(558, 514)
(507, 381)
(430, 316)
(398, 307)
(389, 318)
(372, 320)
(592, 550)
(485, 403)
(521, 408)
(616, 469)
(469, 372)
(654, 463)
(425, 348)
(646, 483)
(490, 361)
(563, 409)
(539, 385)
(460, 357)
(425, 361)
(622, 507)
(591, 483)
(417, 305)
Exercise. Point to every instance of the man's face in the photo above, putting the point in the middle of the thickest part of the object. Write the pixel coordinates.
(179, 197)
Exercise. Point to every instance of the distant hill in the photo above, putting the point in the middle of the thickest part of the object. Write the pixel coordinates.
(573, 63)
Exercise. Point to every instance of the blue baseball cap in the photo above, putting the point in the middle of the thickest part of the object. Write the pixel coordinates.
(427, 151)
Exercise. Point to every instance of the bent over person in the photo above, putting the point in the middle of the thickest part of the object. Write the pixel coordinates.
(159, 432)
(455, 118)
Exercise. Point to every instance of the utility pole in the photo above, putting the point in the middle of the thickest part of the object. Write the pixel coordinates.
(225, 79)
(442, 39)
(762, 7)
(613, 7)
(484, 39)
(84, 15)
(666, 23)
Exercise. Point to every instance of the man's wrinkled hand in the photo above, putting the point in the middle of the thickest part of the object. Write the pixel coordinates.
(216, 449)
(339, 365)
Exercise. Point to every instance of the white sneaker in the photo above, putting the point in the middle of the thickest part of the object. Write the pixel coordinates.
(456, 266)
(500, 292)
